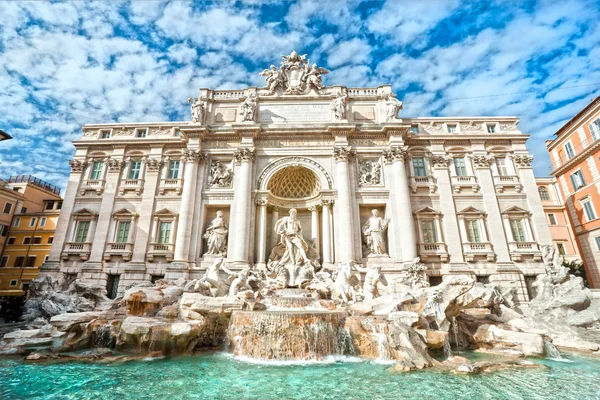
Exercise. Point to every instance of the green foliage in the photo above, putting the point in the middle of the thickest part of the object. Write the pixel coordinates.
(578, 269)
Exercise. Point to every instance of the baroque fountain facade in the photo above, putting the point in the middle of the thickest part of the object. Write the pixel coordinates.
(302, 221)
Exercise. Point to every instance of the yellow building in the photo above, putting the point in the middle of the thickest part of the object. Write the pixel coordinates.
(28, 239)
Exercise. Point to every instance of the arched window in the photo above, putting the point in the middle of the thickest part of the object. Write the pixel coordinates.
(543, 191)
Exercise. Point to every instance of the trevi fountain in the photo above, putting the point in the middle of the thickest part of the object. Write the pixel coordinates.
(342, 303)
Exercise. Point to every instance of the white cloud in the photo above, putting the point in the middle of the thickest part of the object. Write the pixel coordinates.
(353, 51)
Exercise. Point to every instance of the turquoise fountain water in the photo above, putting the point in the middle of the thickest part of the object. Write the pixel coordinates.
(219, 376)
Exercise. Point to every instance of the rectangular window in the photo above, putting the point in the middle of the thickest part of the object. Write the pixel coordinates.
(414, 129)
(501, 166)
(173, 172)
(19, 261)
(588, 209)
(7, 208)
(49, 205)
(134, 170)
(32, 222)
(23, 210)
(428, 229)
(104, 134)
(473, 233)
(419, 166)
(164, 232)
(97, 168)
(516, 226)
(491, 128)
(123, 231)
(595, 129)
(59, 206)
(43, 221)
(142, 132)
(37, 240)
(577, 180)
(561, 248)
(3, 261)
(82, 231)
(11, 240)
(460, 166)
(17, 222)
(50, 239)
(31, 261)
(27, 240)
(13, 283)
(46, 259)
(451, 128)
(552, 219)
(597, 239)
(3, 230)
(569, 150)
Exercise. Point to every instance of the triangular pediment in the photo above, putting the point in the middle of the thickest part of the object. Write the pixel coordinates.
(515, 210)
(165, 212)
(471, 210)
(85, 211)
(426, 210)
(124, 212)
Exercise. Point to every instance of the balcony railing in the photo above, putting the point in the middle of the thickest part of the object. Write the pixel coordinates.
(587, 142)
(464, 182)
(135, 185)
(96, 185)
(166, 185)
(77, 249)
(427, 250)
(501, 182)
(124, 250)
(160, 250)
(520, 249)
(474, 249)
(417, 182)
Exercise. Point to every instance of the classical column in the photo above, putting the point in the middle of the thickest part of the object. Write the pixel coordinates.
(261, 232)
(538, 216)
(343, 207)
(452, 235)
(144, 226)
(314, 235)
(64, 220)
(404, 227)
(240, 220)
(274, 218)
(186, 211)
(326, 215)
(114, 168)
(486, 181)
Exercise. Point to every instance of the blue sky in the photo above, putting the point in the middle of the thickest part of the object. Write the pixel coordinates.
(63, 65)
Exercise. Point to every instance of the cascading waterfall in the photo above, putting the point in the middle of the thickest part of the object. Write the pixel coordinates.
(378, 330)
(552, 352)
(454, 329)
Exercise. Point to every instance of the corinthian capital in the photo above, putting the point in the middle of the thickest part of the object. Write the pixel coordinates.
(394, 153)
(523, 160)
(77, 165)
(115, 165)
(482, 161)
(440, 160)
(153, 164)
(189, 155)
(342, 153)
(244, 154)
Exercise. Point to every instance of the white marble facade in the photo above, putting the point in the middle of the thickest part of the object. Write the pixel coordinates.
(142, 198)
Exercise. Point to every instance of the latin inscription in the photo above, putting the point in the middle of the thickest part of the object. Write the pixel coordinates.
(294, 113)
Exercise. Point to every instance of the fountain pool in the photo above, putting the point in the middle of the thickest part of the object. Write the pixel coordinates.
(219, 376)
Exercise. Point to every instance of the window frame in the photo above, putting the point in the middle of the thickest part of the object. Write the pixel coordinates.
(10, 207)
(464, 166)
(597, 240)
(4, 261)
(141, 132)
(77, 235)
(580, 176)
(596, 124)
(421, 168)
(518, 230)
(170, 169)
(96, 174)
(32, 222)
(17, 222)
(552, 219)
(118, 237)
(469, 224)
(43, 221)
(137, 171)
(546, 195)
(4, 229)
(431, 233)
(103, 132)
(583, 202)
(569, 150)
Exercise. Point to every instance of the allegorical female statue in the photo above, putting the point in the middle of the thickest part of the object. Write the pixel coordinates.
(373, 233)
(216, 234)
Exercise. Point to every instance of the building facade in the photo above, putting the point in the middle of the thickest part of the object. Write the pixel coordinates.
(575, 156)
(147, 200)
(563, 237)
(29, 231)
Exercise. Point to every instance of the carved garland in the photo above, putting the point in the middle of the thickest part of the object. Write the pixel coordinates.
(294, 161)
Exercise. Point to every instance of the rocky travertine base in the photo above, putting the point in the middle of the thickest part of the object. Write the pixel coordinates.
(406, 326)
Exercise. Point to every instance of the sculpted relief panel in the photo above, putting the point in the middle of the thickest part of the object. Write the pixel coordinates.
(370, 173)
(221, 175)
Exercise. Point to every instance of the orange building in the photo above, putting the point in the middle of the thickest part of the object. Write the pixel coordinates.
(575, 156)
(30, 209)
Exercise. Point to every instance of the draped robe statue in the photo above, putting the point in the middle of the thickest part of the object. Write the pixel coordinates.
(291, 236)
(373, 232)
(216, 235)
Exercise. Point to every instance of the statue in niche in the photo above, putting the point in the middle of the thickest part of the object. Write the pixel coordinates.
(248, 109)
(372, 278)
(338, 106)
(291, 236)
(274, 78)
(197, 110)
(216, 235)
(373, 233)
(220, 174)
(392, 107)
(370, 173)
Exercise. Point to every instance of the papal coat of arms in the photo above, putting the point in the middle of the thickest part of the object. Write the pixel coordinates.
(294, 76)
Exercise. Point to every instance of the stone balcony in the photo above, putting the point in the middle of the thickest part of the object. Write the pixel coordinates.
(460, 183)
(160, 250)
(472, 251)
(503, 182)
(92, 185)
(131, 185)
(77, 249)
(170, 185)
(518, 250)
(426, 182)
(433, 250)
(124, 250)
